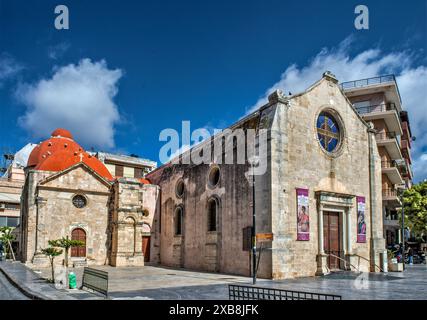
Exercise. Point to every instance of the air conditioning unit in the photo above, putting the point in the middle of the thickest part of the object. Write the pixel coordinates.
(2, 206)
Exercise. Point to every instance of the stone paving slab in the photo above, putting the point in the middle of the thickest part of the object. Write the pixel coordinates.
(161, 283)
(35, 287)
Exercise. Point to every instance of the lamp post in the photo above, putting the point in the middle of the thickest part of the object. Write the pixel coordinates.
(402, 189)
(253, 163)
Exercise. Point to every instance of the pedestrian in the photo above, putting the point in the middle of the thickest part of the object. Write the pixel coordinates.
(410, 255)
(1, 251)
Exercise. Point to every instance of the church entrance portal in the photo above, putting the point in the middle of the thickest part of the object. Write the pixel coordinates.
(332, 238)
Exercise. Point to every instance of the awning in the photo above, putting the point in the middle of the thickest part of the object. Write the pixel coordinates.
(10, 197)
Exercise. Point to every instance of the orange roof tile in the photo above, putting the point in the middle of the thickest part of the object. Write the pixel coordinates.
(60, 152)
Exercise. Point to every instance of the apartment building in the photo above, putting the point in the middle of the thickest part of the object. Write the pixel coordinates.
(378, 100)
(126, 166)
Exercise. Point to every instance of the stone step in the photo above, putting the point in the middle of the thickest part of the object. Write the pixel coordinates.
(79, 263)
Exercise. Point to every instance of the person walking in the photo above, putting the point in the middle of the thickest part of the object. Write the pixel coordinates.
(410, 255)
(1, 251)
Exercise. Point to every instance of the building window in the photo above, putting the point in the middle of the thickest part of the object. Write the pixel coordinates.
(79, 201)
(78, 234)
(179, 189)
(214, 177)
(138, 173)
(119, 171)
(12, 206)
(6, 221)
(179, 219)
(212, 214)
(328, 132)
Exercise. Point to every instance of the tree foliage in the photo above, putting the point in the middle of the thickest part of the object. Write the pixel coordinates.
(415, 205)
(52, 252)
(6, 237)
(66, 243)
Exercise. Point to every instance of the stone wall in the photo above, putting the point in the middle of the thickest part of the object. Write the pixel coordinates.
(197, 248)
(133, 208)
(54, 216)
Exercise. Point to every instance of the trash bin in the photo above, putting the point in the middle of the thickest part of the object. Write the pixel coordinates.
(72, 280)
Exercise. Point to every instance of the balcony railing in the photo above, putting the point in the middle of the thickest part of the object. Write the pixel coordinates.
(389, 193)
(376, 108)
(385, 135)
(368, 81)
(388, 164)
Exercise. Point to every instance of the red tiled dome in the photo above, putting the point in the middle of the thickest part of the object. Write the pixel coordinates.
(144, 181)
(60, 152)
(62, 133)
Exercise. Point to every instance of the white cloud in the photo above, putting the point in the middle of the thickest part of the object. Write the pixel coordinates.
(420, 167)
(9, 67)
(76, 97)
(346, 65)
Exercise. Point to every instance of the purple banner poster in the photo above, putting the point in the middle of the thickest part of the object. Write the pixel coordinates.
(361, 223)
(303, 217)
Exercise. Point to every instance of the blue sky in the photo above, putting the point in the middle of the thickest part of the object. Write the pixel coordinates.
(125, 70)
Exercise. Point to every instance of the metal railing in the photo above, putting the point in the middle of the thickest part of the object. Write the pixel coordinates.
(368, 81)
(238, 292)
(382, 107)
(388, 164)
(384, 135)
(389, 193)
(345, 261)
(358, 263)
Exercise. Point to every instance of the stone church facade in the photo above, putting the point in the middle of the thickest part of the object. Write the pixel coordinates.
(295, 160)
(319, 199)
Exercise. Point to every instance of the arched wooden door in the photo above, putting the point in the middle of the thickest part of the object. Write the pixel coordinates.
(78, 234)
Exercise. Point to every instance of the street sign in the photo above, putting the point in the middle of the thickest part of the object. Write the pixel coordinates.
(264, 237)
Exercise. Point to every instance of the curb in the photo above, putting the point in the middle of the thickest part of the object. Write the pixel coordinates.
(23, 289)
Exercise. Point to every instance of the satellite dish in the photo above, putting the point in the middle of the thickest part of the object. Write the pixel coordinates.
(414, 138)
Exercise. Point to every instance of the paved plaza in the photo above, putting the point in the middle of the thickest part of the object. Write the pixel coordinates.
(152, 282)
(8, 291)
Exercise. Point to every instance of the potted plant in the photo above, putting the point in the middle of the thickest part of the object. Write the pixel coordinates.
(393, 265)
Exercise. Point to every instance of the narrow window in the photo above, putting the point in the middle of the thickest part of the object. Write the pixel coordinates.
(178, 221)
(212, 209)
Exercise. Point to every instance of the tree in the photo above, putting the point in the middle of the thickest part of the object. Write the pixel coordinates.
(52, 253)
(66, 244)
(6, 237)
(415, 205)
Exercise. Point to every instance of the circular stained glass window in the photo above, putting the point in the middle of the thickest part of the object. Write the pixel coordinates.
(79, 201)
(328, 132)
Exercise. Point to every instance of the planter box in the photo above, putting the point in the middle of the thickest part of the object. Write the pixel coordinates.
(395, 267)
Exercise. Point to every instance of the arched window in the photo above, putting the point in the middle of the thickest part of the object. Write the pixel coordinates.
(212, 214)
(78, 234)
(179, 220)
